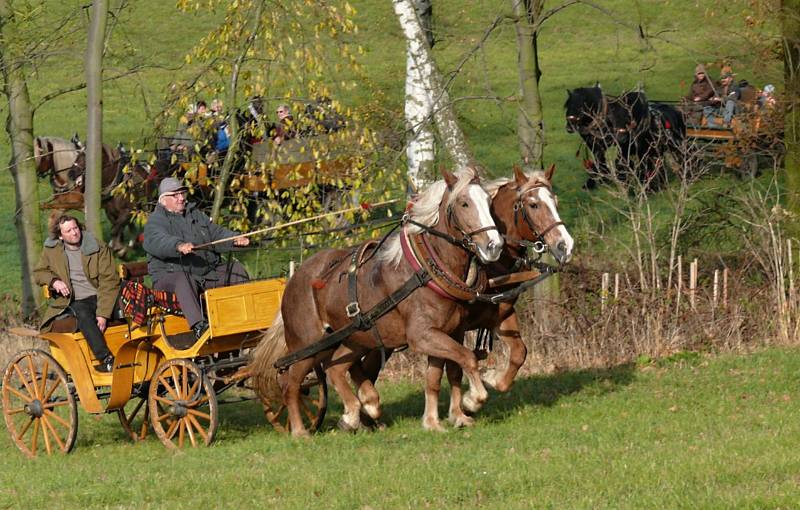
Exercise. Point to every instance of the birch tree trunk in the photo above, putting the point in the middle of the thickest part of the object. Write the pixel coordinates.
(452, 137)
(420, 152)
(19, 125)
(94, 130)
(530, 127)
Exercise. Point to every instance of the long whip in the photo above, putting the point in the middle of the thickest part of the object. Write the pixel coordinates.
(296, 222)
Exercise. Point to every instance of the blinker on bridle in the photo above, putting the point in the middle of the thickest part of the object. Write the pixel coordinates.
(539, 245)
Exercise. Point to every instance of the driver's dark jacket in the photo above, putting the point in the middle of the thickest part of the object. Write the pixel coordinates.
(163, 233)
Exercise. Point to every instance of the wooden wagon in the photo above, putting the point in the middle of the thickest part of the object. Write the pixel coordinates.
(163, 378)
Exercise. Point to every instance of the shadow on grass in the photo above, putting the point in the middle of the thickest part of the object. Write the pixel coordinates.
(538, 390)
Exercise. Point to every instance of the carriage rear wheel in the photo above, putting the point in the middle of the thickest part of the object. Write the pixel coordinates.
(135, 419)
(39, 406)
(182, 405)
(313, 404)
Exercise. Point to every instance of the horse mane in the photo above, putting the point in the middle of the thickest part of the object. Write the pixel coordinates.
(493, 186)
(425, 210)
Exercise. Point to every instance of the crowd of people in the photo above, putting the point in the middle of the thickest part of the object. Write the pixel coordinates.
(716, 102)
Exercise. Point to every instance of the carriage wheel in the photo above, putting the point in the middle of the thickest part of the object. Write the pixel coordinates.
(39, 406)
(182, 405)
(136, 420)
(313, 404)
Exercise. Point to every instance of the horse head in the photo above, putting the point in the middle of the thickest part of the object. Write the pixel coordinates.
(468, 216)
(628, 118)
(535, 214)
(583, 106)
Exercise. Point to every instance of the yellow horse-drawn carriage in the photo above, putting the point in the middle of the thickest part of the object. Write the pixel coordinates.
(163, 378)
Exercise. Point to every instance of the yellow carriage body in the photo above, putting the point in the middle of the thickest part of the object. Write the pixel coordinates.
(237, 316)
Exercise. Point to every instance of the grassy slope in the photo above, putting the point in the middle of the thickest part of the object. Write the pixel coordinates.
(578, 47)
(700, 434)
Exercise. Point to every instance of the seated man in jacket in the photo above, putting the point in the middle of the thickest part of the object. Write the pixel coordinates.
(81, 275)
(173, 230)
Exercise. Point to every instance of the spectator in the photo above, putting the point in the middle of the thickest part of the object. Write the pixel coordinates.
(284, 128)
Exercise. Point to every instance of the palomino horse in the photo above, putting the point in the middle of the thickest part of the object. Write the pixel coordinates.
(525, 210)
(65, 163)
(447, 230)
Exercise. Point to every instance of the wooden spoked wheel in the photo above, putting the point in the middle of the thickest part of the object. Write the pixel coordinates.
(135, 419)
(38, 405)
(182, 405)
(313, 404)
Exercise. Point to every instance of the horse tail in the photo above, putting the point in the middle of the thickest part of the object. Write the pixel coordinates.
(262, 372)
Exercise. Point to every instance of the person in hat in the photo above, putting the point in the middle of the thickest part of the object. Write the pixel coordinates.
(731, 98)
(83, 283)
(173, 230)
(701, 93)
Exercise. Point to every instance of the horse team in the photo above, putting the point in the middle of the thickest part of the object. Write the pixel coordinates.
(642, 132)
(455, 236)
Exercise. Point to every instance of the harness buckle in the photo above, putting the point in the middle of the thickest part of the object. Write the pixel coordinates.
(539, 247)
(352, 309)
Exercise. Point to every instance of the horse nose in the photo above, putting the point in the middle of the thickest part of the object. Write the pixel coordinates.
(562, 253)
(494, 248)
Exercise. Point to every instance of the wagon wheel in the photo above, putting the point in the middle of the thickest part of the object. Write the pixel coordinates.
(39, 406)
(182, 405)
(135, 421)
(313, 404)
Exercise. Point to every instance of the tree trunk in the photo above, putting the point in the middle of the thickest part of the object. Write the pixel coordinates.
(94, 131)
(233, 122)
(418, 108)
(452, 137)
(791, 67)
(19, 125)
(530, 127)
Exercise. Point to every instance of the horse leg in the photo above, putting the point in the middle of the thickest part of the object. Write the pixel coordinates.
(433, 384)
(290, 382)
(440, 345)
(456, 415)
(343, 358)
(365, 389)
(508, 332)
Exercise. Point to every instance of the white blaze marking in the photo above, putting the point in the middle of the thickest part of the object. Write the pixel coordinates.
(481, 200)
(547, 198)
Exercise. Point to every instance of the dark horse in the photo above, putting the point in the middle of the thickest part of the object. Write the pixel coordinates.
(636, 127)
(525, 211)
(448, 229)
(65, 163)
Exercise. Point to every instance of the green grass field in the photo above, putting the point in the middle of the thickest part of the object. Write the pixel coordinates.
(698, 433)
(578, 46)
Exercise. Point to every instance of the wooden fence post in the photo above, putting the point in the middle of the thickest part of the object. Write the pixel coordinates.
(679, 285)
(716, 289)
(693, 284)
(291, 268)
(725, 288)
(603, 292)
(616, 287)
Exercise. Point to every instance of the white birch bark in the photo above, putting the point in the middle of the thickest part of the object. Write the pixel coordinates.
(452, 137)
(94, 131)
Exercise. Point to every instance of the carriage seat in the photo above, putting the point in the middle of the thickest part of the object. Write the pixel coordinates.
(137, 301)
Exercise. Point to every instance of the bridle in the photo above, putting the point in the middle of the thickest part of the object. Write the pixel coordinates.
(539, 245)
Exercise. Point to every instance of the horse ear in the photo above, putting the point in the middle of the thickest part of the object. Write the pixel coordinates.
(519, 176)
(548, 174)
(597, 85)
(449, 178)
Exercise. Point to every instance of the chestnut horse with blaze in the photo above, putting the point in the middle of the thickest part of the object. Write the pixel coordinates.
(448, 231)
(525, 210)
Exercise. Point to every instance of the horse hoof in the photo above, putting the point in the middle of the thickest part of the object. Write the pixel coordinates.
(373, 411)
(490, 377)
(301, 434)
(433, 426)
(345, 426)
(471, 405)
(461, 421)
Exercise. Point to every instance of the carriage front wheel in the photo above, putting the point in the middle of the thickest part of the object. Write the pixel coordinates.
(39, 406)
(182, 404)
(313, 404)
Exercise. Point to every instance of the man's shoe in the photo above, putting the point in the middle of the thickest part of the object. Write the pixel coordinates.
(199, 328)
(106, 366)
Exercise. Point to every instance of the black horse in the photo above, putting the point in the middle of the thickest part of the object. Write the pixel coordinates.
(637, 128)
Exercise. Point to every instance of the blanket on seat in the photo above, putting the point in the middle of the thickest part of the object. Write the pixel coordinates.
(136, 299)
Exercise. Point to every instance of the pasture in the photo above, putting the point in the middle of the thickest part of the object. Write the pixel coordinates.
(690, 432)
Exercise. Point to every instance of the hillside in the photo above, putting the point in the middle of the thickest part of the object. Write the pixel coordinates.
(578, 46)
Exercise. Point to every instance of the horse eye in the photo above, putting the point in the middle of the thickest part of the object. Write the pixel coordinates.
(534, 206)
